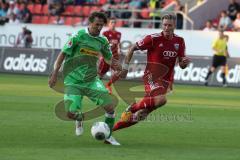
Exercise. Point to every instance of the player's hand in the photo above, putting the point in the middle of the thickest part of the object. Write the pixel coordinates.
(184, 62)
(52, 80)
(123, 73)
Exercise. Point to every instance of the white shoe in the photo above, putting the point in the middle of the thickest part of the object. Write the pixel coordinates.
(79, 128)
(111, 140)
(225, 85)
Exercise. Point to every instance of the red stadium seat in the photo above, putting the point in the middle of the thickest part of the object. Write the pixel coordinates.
(86, 11)
(77, 20)
(69, 10)
(31, 7)
(51, 19)
(68, 21)
(36, 20)
(119, 23)
(45, 9)
(44, 19)
(145, 13)
(95, 8)
(78, 10)
(37, 9)
(102, 2)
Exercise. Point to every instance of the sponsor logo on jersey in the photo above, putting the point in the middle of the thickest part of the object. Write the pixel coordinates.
(24, 63)
(169, 54)
(89, 52)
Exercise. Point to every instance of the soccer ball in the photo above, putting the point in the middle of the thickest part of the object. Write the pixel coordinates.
(100, 130)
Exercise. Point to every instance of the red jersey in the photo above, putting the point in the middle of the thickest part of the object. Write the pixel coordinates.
(114, 38)
(162, 54)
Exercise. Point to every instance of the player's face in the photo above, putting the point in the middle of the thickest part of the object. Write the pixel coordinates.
(168, 27)
(112, 24)
(96, 26)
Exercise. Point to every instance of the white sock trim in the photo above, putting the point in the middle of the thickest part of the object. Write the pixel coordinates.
(108, 115)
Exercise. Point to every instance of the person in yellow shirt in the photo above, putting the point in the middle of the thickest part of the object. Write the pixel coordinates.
(219, 47)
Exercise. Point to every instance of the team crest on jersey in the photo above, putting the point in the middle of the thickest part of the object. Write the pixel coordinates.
(176, 46)
(69, 45)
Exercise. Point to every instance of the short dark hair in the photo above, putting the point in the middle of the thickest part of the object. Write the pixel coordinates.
(169, 17)
(99, 15)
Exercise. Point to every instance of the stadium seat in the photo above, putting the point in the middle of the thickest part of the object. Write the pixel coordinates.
(119, 23)
(77, 20)
(145, 13)
(86, 11)
(68, 21)
(44, 19)
(102, 2)
(45, 9)
(37, 9)
(69, 10)
(95, 8)
(30, 7)
(78, 10)
(36, 19)
(51, 19)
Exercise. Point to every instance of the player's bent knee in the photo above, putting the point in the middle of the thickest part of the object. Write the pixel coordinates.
(160, 101)
(109, 109)
(109, 102)
(75, 116)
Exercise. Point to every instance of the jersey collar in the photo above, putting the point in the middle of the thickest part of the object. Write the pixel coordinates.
(87, 31)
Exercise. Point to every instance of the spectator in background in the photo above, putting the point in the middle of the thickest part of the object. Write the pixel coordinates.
(225, 22)
(236, 23)
(155, 8)
(179, 15)
(55, 7)
(3, 9)
(24, 38)
(12, 9)
(58, 20)
(233, 9)
(25, 14)
(13, 19)
(209, 26)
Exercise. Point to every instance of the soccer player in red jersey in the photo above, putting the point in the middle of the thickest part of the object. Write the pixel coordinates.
(163, 51)
(114, 38)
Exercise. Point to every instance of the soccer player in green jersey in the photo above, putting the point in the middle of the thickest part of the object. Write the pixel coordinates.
(81, 53)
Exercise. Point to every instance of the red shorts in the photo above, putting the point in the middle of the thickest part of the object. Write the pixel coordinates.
(103, 67)
(156, 87)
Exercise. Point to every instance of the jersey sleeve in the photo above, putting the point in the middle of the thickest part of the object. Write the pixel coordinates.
(69, 46)
(214, 44)
(106, 50)
(104, 33)
(182, 48)
(145, 43)
(120, 36)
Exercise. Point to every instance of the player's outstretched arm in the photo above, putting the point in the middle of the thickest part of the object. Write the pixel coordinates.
(53, 79)
(127, 61)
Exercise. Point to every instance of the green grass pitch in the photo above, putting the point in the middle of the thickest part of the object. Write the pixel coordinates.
(198, 123)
